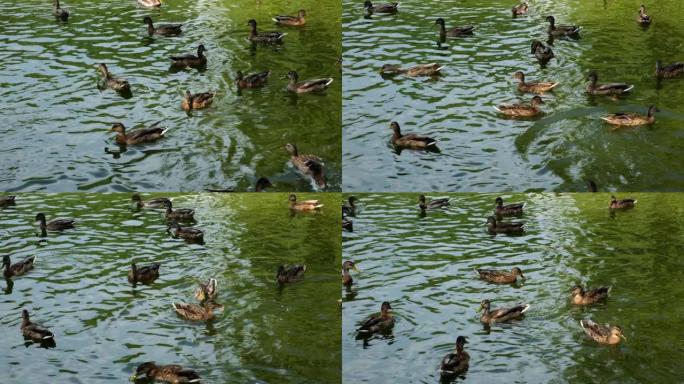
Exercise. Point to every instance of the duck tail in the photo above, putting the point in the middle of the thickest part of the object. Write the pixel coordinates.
(282, 35)
(605, 118)
(582, 324)
(318, 206)
(635, 201)
(275, 19)
(174, 306)
(554, 85)
(497, 108)
(440, 68)
(164, 131)
(194, 381)
(431, 143)
(629, 88)
(527, 306)
(330, 80)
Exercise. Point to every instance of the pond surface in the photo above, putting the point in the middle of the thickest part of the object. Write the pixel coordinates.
(104, 327)
(424, 267)
(56, 119)
(481, 151)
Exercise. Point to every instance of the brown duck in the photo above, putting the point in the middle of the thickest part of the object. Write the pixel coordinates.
(197, 312)
(500, 277)
(304, 86)
(561, 30)
(522, 110)
(380, 8)
(34, 332)
(54, 225)
(628, 119)
(178, 214)
(410, 140)
(669, 71)
(595, 88)
(346, 276)
(309, 165)
(294, 21)
(501, 314)
(643, 18)
(520, 9)
(306, 205)
(454, 31)
(496, 226)
(207, 291)
(159, 202)
(602, 334)
(138, 136)
(508, 209)
(621, 204)
(17, 269)
(115, 83)
(290, 273)
(190, 234)
(145, 274)
(190, 60)
(454, 364)
(581, 297)
(256, 80)
(264, 37)
(430, 69)
(6, 201)
(174, 374)
(532, 87)
(378, 322)
(162, 29)
(197, 101)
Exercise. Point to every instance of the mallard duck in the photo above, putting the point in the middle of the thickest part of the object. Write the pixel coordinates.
(669, 71)
(433, 204)
(346, 276)
(262, 184)
(520, 9)
(159, 202)
(306, 205)
(533, 87)
(541, 51)
(495, 226)
(190, 60)
(349, 209)
(190, 234)
(621, 204)
(378, 322)
(631, 119)
(561, 30)
(522, 110)
(309, 165)
(501, 314)
(169, 373)
(430, 69)
(178, 214)
(347, 224)
(264, 37)
(606, 89)
(380, 8)
(207, 291)
(150, 3)
(18, 268)
(197, 101)
(643, 18)
(256, 80)
(500, 277)
(290, 273)
(138, 136)
(454, 364)
(410, 140)
(312, 85)
(34, 332)
(196, 312)
(54, 225)
(602, 334)
(145, 274)
(163, 29)
(115, 83)
(6, 201)
(59, 12)
(581, 297)
(295, 21)
(455, 31)
(508, 209)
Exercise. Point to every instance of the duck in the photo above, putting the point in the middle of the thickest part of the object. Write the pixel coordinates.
(430, 69)
(454, 364)
(380, 8)
(18, 268)
(295, 21)
(138, 136)
(495, 226)
(500, 277)
(54, 225)
(207, 291)
(256, 80)
(607, 334)
(581, 297)
(378, 322)
(261, 184)
(150, 3)
(433, 204)
(522, 110)
(306, 205)
(541, 51)
(190, 60)
(159, 202)
(520, 9)
(631, 119)
(500, 315)
(455, 31)
(59, 12)
(8, 200)
(669, 71)
(290, 273)
(190, 234)
(561, 30)
(34, 332)
(304, 86)
(347, 224)
(163, 29)
(196, 312)
(197, 101)
(410, 140)
(508, 209)
(346, 276)
(606, 89)
(115, 83)
(349, 209)
(178, 214)
(264, 37)
(643, 18)
(175, 374)
(144, 274)
(621, 204)
(533, 87)
(309, 165)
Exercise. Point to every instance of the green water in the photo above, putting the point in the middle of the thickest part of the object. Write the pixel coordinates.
(424, 267)
(56, 120)
(104, 327)
(480, 151)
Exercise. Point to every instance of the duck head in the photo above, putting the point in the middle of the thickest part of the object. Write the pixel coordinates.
(252, 23)
(537, 101)
(616, 331)
(292, 199)
(367, 5)
(491, 221)
(551, 20)
(145, 369)
(40, 218)
(292, 149)
(200, 50)
(301, 13)
(6, 261)
(395, 127)
(536, 44)
(485, 304)
(118, 128)
(519, 76)
(440, 22)
(517, 272)
(461, 342)
(577, 290)
(592, 77)
(498, 201)
(147, 20)
(293, 76)
(349, 264)
(385, 307)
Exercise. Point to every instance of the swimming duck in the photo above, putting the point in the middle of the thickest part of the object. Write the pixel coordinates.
(533, 87)
(290, 273)
(150, 3)
(669, 71)
(197, 101)
(18, 268)
(144, 274)
(380, 8)
(189, 234)
(621, 204)
(59, 12)
(312, 85)
(433, 204)
(605, 89)
(495, 226)
(602, 334)
(6, 201)
(264, 37)
(455, 31)
(163, 29)
(54, 225)
(454, 364)
(159, 202)
(378, 322)
(34, 332)
(262, 184)
(306, 205)
(500, 277)
(523, 110)
(346, 276)
(581, 297)
(501, 314)
(115, 83)
(561, 30)
(520, 9)
(410, 140)
(541, 52)
(350, 208)
(168, 373)
(508, 209)
(256, 80)
(631, 119)
(190, 60)
(295, 21)
(643, 18)
(309, 165)
(138, 136)
(347, 224)
(207, 291)
(178, 214)
(196, 312)
(431, 69)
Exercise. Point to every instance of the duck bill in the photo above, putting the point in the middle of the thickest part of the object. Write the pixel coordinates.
(479, 309)
(623, 337)
(133, 378)
(356, 269)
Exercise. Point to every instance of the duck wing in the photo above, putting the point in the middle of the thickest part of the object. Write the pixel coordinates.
(614, 87)
(190, 311)
(506, 313)
(594, 330)
(598, 293)
(188, 56)
(23, 266)
(315, 83)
